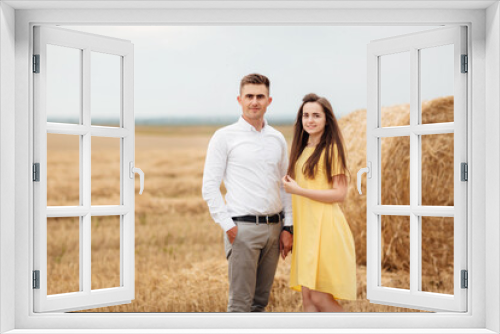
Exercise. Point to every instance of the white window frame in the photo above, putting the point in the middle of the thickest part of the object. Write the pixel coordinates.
(483, 145)
(86, 297)
(412, 45)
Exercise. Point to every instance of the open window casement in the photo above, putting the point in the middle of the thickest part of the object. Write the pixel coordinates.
(82, 50)
(423, 52)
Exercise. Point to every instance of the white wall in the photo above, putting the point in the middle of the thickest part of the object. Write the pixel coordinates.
(492, 163)
(23, 159)
(7, 159)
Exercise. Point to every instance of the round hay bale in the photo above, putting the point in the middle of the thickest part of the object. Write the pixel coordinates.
(437, 186)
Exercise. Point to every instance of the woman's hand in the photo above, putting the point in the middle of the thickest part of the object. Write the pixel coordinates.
(290, 185)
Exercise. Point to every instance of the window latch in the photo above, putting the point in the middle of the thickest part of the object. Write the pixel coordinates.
(132, 171)
(368, 171)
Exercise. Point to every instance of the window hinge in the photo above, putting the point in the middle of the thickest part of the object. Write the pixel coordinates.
(465, 279)
(36, 279)
(464, 171)
(36, 172)
(465, 64)
(36, 63)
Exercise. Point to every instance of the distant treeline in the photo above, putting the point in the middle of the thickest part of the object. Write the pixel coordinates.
(217, 120)
(205, 121)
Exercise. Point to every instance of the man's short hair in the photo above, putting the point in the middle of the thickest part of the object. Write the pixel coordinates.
(255, 79)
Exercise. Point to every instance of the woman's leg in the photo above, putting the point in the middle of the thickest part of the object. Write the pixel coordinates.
(324, 302)
(307, 303)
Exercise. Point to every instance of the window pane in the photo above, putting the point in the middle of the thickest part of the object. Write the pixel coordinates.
(105, 171)
(63, 170)
(437, 169)
(64, 84)
(105, 252)
(436, 84)
(437, 254)
(105, 89)
(63, 255)
(395, 251)
(395, 89)
(395, 171)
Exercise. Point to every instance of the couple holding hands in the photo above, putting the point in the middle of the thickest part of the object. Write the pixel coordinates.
(275, 206)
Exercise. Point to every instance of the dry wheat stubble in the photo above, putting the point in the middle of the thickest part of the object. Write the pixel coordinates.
(180, 263)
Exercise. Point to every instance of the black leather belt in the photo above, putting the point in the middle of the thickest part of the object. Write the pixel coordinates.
(270, 219)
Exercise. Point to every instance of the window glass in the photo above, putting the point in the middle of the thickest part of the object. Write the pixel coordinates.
(436, 84)
(63, 255)
(395, 234)
(395, 160)
(105, 171)
(105, 101)
(64, 84)
(63, 170)
(105, 252)
(437, 254)
(395, 89)
(437, 169)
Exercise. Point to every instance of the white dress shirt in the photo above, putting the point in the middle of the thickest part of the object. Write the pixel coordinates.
(252, 164)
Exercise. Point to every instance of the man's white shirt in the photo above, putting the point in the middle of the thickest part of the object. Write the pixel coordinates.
(251, 164)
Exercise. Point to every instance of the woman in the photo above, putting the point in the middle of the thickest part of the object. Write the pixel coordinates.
(323, 257)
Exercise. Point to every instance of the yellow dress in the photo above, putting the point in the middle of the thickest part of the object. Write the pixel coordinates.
(323, 255)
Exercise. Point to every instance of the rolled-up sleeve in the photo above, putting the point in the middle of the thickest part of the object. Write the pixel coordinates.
(286, 198)
(213, 174)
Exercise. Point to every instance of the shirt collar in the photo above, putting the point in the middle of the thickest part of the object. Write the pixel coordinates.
(247, 126)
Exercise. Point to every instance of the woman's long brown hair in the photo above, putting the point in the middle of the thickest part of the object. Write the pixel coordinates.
(331, 137)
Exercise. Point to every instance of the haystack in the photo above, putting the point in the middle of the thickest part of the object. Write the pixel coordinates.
(437, 187)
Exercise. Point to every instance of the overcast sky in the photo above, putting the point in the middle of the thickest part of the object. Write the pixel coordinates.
(194, 71)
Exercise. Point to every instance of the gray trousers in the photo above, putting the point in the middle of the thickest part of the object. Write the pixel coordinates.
(252, 261)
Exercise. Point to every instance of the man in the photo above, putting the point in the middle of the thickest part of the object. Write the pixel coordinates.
(251, 157)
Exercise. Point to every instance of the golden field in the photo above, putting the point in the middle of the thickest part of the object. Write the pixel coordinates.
(180, 262)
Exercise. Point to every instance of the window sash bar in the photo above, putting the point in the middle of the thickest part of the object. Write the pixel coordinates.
(422, 129)
(80, 211)
(77, 129)
(418, 210)
(415, 170)
(66, 211)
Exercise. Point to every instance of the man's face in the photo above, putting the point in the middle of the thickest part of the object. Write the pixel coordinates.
(254, 100)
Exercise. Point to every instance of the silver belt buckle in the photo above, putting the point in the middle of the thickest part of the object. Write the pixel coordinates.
(256, 220)
(267, 219)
